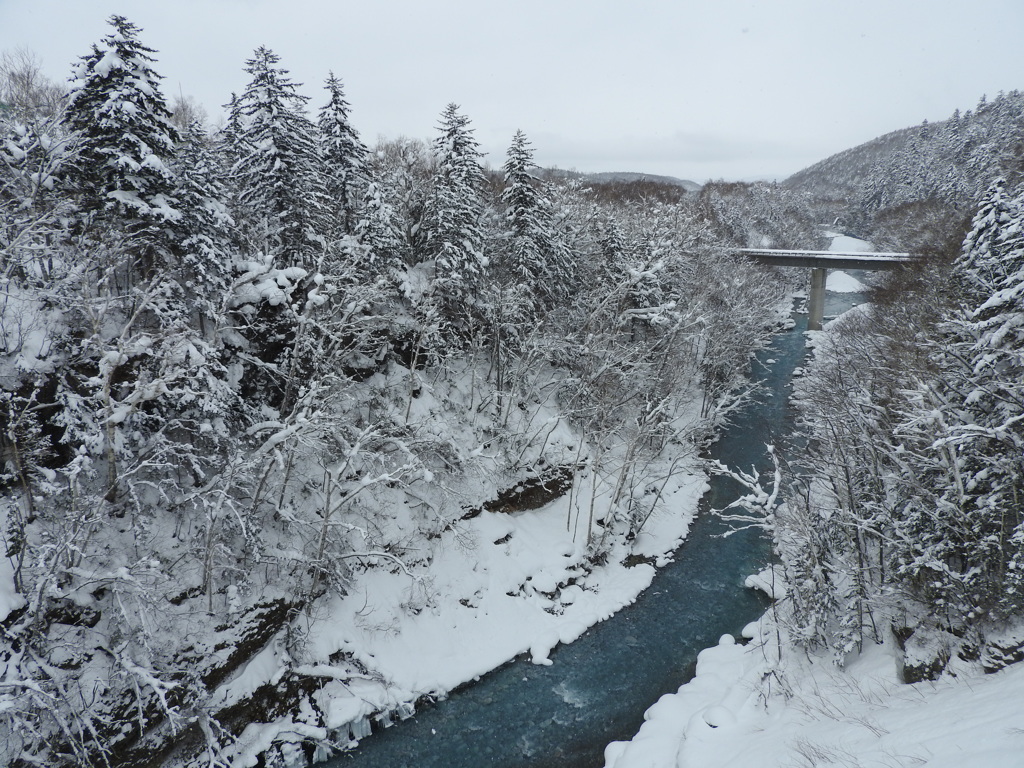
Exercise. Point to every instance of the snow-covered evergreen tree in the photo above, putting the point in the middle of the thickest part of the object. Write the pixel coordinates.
(454, 240)
(277, 169)
(986, 426)
(121, 118)
(535, 254)
(344, 157)
(394, 204)
(982, 267)
(281, 216)
(203, 231)
(378, 231)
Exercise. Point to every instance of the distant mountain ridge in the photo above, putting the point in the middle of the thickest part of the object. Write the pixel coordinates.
(689, 186)
(621, 176)
(951, 161)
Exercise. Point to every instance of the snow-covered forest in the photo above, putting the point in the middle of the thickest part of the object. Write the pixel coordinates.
(261, 376)
(909, 516)
(283, 416)
(904, 189)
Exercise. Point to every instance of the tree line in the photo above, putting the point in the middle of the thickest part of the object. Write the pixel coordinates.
(902, 516)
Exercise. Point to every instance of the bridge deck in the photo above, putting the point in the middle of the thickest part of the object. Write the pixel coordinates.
(828, 259)
(820, 262)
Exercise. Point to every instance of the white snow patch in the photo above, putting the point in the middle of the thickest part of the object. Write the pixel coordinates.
(10, 598)
(847, 244)
(842, 282)
(767, 581)
(750, 707)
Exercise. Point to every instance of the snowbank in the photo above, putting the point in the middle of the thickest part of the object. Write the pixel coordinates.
(842, 282)
(511, 585)
(748, 707)
(847, 244)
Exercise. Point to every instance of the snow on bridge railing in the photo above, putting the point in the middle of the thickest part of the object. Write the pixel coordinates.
(841, 254)
(828, 259)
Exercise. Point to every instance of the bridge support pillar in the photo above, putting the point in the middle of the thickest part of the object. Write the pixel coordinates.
(816, 304)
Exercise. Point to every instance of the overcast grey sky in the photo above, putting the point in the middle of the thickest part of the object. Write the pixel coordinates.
(710, 89)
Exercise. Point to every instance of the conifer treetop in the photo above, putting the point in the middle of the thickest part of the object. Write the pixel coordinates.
(116, 107)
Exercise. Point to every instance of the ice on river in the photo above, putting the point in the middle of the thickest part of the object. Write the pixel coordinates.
(570, 696)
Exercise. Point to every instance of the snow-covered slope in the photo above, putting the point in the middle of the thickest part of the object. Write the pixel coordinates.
(751, 707)
(488, 588)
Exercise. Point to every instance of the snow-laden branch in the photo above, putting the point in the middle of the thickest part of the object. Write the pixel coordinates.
(757, 508)
(146, 678)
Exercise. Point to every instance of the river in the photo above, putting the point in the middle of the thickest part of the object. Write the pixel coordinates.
(599, 686)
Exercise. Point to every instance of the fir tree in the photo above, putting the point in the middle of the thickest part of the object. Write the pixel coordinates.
(204, 228)
(395, 202)
(377, 230)
(535, 255)
(961, 542)
(276, 171)
(344, 156)
(454, 211)
(982, 268)
(121, 118)
(994, 402)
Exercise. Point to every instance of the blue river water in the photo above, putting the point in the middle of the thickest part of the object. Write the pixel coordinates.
(598, 687)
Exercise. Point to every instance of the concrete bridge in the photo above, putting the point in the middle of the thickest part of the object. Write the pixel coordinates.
(820, 262)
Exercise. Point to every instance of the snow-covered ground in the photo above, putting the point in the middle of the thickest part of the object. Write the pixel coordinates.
(843, 282)
(846, 244)
(839, 281)
(749, 707)
(492, 595)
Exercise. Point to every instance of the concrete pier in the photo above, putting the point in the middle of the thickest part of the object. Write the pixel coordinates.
(816, 303)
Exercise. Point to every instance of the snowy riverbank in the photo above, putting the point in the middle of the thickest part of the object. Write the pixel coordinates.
(759, 704)
(492, 587)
